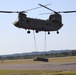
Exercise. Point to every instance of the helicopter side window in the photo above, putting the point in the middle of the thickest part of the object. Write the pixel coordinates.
(47, 24)
(27, 21)
(55, 21)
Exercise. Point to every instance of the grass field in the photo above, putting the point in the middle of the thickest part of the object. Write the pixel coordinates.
(35, 72)
(63, 59)
(28, 61)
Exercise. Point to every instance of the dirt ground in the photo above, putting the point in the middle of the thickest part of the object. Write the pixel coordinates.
(41, 66)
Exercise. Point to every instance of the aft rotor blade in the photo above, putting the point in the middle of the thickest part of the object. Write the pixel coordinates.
(60, 12)
(44, 13)
(47, 8)
(66, 11)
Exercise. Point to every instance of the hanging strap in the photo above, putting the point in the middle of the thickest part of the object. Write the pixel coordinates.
(45, 46)
(35, 41)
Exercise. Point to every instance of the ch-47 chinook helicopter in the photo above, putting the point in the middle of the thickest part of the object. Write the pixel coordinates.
(54, 23)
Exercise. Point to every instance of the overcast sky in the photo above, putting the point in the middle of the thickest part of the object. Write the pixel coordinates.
(14, 40)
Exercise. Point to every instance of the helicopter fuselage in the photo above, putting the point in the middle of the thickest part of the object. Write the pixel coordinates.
(37, 24)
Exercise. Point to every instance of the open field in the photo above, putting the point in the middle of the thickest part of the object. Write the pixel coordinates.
(57, 64)
(36, 72)
(30, 61)
(63, 59)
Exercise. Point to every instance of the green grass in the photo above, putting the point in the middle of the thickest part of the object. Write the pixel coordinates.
(36, 72)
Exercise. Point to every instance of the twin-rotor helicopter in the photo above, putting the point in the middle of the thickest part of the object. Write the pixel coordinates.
(53, 23)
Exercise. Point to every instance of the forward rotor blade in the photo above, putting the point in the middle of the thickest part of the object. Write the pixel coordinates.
(36, 8)
(9, 12)
(66, 11)
(22, 11)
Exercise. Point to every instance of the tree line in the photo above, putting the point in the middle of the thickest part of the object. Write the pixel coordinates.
(46, 55)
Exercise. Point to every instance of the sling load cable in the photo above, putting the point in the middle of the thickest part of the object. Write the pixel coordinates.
(35, 41)
(45, 46)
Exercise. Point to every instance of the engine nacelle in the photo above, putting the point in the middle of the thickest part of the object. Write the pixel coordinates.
(55, 18)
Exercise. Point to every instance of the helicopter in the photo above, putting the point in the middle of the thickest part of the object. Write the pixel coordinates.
(53, 23)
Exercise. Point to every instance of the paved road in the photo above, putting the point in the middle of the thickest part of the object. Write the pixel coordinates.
(40, 66)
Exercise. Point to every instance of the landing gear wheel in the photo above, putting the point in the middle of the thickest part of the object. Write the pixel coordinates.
(28, 32)
(48, 32)
(57, 32)
(36, 31)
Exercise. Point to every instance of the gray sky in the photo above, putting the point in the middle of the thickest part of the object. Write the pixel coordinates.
(14, 40)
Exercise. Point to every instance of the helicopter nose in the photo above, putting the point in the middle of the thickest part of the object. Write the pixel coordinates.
(16, 23)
